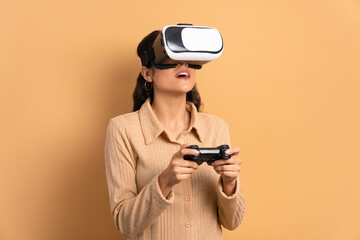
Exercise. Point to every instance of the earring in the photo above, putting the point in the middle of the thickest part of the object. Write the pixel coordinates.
(147, 88)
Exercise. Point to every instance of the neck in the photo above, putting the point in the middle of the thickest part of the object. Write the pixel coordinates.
(171, 111)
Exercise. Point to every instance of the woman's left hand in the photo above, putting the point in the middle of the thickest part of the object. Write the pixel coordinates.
(228, 168)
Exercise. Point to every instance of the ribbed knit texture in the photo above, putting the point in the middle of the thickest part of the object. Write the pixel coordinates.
(137, 150)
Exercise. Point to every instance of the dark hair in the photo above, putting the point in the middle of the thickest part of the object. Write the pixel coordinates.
(140, 94)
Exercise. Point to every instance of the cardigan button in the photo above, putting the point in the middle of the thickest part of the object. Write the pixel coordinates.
(187, 198)
(187, 225)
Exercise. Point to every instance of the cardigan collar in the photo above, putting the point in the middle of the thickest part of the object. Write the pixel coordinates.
(152, 128)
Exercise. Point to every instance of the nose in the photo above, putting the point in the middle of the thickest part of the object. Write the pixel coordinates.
(182, 64)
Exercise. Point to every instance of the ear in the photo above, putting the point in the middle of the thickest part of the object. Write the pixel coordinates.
(147, 73)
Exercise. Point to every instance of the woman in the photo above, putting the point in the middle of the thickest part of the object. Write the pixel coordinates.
(155, 193)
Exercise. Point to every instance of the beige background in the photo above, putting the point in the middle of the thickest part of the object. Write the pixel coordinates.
(287, 84)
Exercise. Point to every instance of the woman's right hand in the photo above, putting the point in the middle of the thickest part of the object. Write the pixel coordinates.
(178, 169)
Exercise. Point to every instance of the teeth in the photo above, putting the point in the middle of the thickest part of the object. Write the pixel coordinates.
(183, 74)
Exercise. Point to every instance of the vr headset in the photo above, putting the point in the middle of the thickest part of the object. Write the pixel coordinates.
(195, 45)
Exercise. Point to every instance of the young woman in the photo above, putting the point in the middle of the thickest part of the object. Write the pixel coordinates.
(155, 193)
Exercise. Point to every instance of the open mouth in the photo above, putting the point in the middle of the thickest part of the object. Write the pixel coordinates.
(183, 74)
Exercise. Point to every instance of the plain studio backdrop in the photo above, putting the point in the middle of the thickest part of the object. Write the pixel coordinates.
(287, 83)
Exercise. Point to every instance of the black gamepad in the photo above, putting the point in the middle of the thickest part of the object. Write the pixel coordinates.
(208, 155)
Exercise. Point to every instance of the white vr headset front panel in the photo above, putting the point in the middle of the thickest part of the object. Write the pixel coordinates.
(201, 39)
(194, 43)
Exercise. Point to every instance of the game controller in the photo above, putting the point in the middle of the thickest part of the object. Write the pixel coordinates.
(208, 155)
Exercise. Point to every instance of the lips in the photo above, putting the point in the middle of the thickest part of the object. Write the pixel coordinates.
(183, 75)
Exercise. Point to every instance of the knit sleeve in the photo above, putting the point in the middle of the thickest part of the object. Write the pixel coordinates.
(131, 211)
(231, 209)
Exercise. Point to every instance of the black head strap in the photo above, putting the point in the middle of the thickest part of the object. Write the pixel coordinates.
(167, 66)
(162, 66)
(147, 56)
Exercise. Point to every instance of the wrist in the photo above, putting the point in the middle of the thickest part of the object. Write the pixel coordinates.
(164, 180)
(229, 187)
(229, 182)
(164, 185)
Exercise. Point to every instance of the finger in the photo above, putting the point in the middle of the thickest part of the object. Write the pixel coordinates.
(232, 161)
(178, 153)
(183, 170)
(230, 174)
(227, 168)
(188, 151)
(233, 150)
(186, 164)
(183, 176)
(185, 145)
(190, 164)
(223, 162)
(227, 173)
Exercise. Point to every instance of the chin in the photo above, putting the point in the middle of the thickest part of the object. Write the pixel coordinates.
(185, 90)
(182, 88)
(180, 92)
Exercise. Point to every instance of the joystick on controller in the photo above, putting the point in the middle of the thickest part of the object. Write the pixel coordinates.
(208, 155)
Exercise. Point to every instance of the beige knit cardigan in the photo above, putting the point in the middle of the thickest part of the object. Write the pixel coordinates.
(137, 150)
